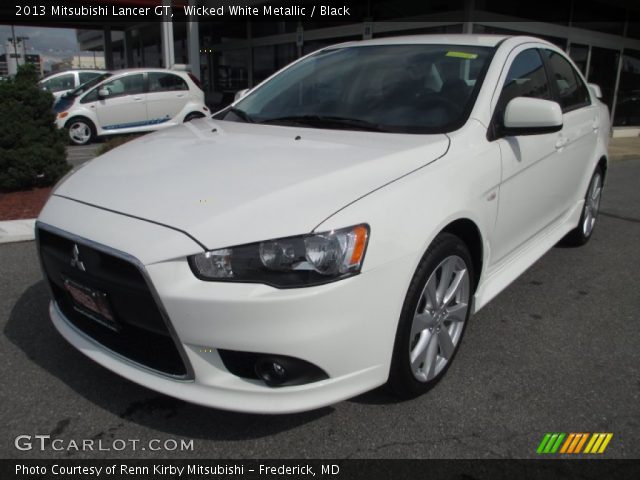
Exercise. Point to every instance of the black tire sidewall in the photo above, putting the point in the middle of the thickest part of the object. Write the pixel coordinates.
(401, 379)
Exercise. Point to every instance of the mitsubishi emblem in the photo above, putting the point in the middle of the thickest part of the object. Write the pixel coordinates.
(75, 260)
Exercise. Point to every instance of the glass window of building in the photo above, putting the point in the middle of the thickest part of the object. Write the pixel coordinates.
(579, 54)
(602, 71)
(628, 99)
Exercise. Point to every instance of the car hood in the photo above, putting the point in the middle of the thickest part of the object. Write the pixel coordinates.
(228, 183)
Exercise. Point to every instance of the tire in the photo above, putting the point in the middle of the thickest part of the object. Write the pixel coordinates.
(583, 232)
(192, 116)
(433, 311)
(81, 131)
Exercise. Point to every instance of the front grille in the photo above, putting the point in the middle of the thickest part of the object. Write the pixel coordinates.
(142, 334)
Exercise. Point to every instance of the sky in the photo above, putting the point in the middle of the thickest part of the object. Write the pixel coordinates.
(53, 44)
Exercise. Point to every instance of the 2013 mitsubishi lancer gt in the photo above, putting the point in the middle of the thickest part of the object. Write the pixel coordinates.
(334, 228)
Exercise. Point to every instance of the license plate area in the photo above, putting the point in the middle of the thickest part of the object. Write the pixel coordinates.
(92, 304)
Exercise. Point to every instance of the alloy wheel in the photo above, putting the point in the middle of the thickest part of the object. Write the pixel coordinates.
(439, 318)
(592, 204)
(79, 132)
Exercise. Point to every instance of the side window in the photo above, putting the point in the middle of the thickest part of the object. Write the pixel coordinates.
(86, 76)
(127, 85)
(166, 82)
(58, 84)
(526, 78)
(572, 92)
(92, 96)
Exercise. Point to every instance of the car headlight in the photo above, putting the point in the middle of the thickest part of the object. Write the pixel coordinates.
(299, 261)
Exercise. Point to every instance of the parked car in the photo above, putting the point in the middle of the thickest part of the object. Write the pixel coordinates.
(333, 229)
(130, 101)
(63, 82)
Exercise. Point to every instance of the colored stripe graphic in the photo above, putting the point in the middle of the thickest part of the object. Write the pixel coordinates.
(550, 443)
(573, 443)
(598, 443)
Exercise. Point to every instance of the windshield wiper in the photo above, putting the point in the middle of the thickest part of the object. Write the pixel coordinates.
(328, 121)
(242, 114)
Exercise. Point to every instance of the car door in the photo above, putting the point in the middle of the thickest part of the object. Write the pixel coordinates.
(530, 191)
(125, 105)
(167, 96)
(578, 136)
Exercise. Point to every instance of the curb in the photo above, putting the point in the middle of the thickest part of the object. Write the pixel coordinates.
(17, 230)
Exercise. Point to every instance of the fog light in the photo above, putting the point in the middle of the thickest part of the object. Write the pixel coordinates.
(271, 372)
(278, 369)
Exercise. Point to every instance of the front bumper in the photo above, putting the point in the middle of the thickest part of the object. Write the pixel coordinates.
(346, 328)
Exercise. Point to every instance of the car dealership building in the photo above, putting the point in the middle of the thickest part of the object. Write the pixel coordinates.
(602, 37)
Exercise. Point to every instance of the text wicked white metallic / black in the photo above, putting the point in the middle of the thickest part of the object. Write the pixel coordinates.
(334, 229)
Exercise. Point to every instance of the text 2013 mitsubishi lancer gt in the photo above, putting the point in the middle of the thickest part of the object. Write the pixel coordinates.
(333, 229)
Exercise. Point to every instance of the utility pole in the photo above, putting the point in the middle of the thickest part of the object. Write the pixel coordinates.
(15, 44)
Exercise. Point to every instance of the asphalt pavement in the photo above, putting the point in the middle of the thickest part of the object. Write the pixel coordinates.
(77, 154)
(557, 351)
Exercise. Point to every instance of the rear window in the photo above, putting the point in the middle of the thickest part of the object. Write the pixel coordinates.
(166, 82)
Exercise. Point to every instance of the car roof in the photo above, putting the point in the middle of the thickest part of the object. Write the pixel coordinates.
(445, 39)
(142, 69)
(71, 70)
(479, 40)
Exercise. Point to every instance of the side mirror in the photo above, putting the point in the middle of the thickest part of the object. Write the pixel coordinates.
(103, 92)
(531, 116)
(595, 90)
(240, 94)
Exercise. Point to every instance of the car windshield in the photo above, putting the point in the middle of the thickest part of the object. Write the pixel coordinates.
(87, 85)
(416, 88)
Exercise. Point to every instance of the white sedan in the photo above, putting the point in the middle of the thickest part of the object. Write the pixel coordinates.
(129, 101)
(334, 229)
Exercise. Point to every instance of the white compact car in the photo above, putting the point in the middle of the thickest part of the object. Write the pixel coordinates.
(331, 231)
(63, 82)
(130, 101)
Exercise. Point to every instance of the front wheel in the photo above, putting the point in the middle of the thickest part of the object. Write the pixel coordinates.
(81, 131)
(433, 318)
(582, 233)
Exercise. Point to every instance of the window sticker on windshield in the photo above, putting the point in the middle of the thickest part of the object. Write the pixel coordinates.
(465, 55)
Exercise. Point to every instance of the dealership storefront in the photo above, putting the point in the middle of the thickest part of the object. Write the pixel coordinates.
(233, 55)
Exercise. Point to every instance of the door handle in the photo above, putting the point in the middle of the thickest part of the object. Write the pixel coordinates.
(595, 125)
(137, 99)
(561, 142)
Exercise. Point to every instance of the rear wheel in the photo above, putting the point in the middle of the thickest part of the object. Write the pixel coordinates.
(582, 233)
(433, 318)
(81, 131)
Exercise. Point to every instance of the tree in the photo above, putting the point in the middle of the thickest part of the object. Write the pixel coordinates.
(32, 149)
